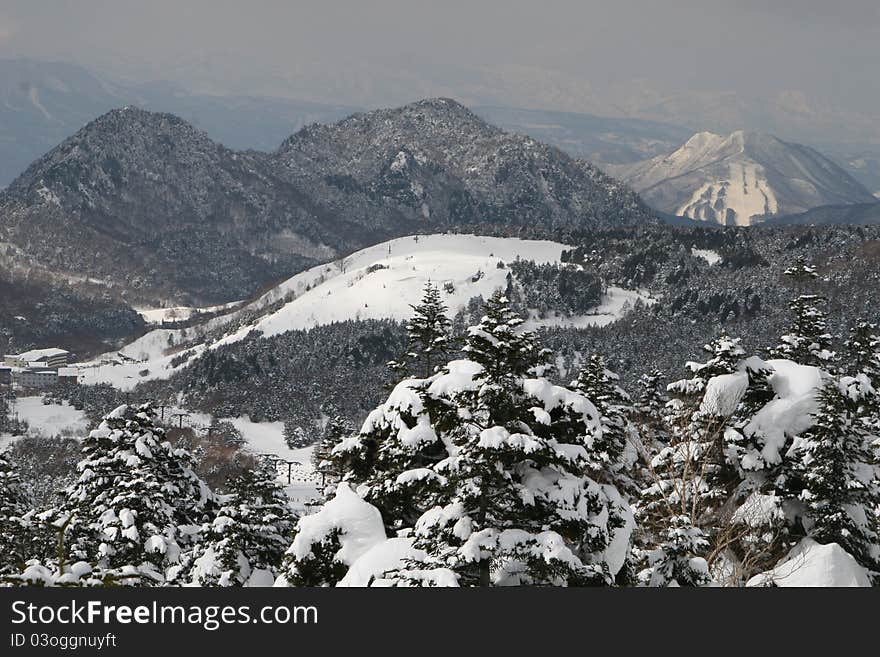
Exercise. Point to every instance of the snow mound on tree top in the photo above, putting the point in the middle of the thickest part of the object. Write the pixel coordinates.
(788, 414)
(359, 525)
(383, 557)
(816, 565)
(791, 411)
(723, 393)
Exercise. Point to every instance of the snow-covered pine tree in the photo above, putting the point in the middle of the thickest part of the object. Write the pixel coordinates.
(428, 337)
(863, 357)
(756, 536)
(744, 449)
(295, 436)
(388, 461)
(137, 505)
(515, 504)
(673, 562)
(863, 350)
(505, 352)
(13, 531)
(249, 534)
(652, 431)
(837, 472)
(652, 398)
(392, 440)
(598, 384)
(807, 341)
(327, 543)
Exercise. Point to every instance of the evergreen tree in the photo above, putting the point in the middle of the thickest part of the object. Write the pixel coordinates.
(514, 502)
(295, 436)
(675, 562)
(428, 337)
(137, 503)
(863, 351)
(13, 530)
(757, 536)
(652, 398)
(250, 532)
(808, 341)
(500, 347)
(393, 440)
(600, 386)
(743, 449)
(837, 473)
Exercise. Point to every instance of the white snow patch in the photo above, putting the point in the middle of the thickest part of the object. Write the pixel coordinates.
(812, 564)
(48, 419)
(383, 557)
(708, 255)
(615, 304)
(180, 313)
(359, 525)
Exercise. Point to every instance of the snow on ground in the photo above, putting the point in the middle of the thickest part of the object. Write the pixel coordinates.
(707, 254)
(48, 419)
(125, 374)
(179, 313)
(615, 304)
(812, 564)
(268, 438)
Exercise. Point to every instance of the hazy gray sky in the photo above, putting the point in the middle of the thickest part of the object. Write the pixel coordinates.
(356, 51)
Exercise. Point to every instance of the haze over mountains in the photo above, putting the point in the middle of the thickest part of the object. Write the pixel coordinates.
(740, 179)
(42, 103)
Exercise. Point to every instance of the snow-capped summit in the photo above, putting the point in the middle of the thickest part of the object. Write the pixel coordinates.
(742, 179)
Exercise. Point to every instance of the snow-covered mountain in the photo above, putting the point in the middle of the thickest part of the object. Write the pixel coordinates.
(378, 282)
(179, 217)
(741, 179)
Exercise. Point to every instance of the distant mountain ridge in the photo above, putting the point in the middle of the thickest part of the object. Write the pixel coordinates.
(740, 179)
(598, 139)
(146, 202)
(43, 103)
(859, 214)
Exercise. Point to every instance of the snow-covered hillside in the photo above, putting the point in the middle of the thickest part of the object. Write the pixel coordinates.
(740, 179)
(179, 313)
(47, 420)
(384, 280)
(381, 281)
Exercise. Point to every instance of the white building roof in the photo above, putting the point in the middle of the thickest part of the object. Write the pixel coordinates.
(68, 371)
(40, 354)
